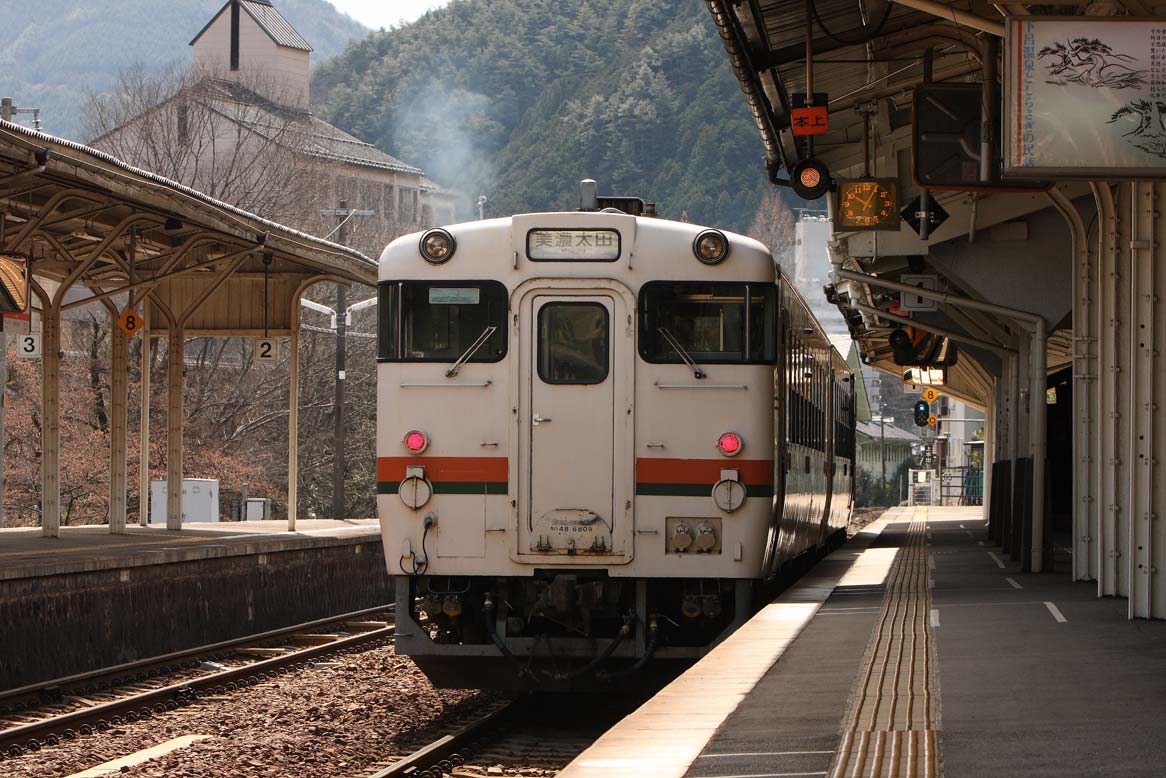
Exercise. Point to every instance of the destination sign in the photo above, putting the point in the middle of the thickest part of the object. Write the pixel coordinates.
(564, 245)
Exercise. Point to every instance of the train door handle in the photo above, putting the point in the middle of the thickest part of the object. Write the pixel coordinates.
(537, 420)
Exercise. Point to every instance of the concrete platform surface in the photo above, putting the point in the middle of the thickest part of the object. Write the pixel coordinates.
(25, 553)
(932, 653)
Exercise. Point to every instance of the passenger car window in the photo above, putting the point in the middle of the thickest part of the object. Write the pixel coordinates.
(422, 321)
(729, 323)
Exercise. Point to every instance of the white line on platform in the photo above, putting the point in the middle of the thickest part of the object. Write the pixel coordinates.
(1013, 583)
(762, 753)
(1053, 609)
(935, 617)
(999, 562)
(136, 758)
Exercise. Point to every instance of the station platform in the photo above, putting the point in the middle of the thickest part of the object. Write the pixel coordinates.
(89, 599)
(25, 552)
(916, 649)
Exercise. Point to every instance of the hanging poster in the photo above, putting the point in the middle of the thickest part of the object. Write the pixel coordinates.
(1085, 97)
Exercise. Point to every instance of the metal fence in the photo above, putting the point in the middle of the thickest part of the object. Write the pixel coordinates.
(922, 488)
(961, 486)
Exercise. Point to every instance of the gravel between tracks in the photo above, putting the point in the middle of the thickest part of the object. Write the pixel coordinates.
(335, 719)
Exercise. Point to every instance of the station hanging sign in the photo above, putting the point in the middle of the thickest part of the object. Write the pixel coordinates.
(809, 119)
(1085, 97)
(130, 321)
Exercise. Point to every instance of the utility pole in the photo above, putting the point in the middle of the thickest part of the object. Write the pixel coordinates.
(481, 207)
(9, 111)
(339, 459)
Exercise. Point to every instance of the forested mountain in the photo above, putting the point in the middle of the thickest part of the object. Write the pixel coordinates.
(52, 51)
(519, 99)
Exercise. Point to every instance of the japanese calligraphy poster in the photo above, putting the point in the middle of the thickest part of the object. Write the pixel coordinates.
(1085, 97)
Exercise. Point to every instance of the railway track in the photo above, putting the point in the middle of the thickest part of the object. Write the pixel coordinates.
(66, 708)
(533, 735)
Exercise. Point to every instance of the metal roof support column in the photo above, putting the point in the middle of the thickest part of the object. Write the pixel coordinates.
(1086, 466)
(989, 449)
(118, 425)
(175, 368)
(1006, 537)
(1112, 384)
(1145, 491)
(144, 432)
(51, 423)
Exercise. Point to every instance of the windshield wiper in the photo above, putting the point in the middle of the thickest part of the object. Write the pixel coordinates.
(473, 349)
(688, 360)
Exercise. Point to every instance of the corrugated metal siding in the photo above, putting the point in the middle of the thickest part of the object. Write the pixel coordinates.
(273, 23)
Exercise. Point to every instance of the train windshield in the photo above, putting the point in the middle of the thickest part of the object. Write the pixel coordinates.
(712, 323)
(423, 321)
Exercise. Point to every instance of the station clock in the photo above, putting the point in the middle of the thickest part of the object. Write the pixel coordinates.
(867, 204)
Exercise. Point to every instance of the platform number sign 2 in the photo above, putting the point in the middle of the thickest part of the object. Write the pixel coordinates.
(266, 349)
(130, 321)
(28, 346)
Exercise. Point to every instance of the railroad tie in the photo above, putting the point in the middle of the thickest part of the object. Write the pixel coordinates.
(890, 729)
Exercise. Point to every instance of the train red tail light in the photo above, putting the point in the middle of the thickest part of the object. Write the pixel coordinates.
(416, 441)
(730, 444)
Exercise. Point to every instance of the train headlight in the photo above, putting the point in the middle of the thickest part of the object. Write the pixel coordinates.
(711, 247)
(437, 246)
(730, 444)
(416, 441)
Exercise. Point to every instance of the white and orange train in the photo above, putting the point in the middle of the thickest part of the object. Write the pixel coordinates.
(601, 438)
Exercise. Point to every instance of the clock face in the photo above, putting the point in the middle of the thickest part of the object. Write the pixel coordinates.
(868, 204)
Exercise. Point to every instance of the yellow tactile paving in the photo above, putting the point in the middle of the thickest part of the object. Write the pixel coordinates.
(891, 725)
(665, 736)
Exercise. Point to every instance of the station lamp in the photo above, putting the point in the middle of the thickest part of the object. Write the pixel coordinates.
(810, 179)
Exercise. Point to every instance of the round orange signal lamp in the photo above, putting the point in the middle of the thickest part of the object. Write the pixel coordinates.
(810, 179)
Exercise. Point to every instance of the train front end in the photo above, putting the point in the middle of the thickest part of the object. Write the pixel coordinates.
(575, 444)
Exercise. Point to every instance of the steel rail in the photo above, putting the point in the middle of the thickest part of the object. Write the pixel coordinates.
(29, 737)
(177, 656)
(443, 752)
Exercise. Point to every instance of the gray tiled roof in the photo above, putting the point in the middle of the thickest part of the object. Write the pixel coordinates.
(890, 432)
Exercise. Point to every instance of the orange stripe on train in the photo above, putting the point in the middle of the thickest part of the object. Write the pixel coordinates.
(446, 468)
(702, 471)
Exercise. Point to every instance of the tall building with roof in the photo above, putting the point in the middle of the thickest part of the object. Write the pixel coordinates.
(241, 129)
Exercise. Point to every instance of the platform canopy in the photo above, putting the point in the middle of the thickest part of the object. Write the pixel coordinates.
(84, 217)
(97, 230)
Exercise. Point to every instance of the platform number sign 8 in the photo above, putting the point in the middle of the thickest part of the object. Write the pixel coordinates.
(28, 346)
(130, 321)
(266, 349)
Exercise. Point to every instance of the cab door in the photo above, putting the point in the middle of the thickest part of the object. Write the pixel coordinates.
(572, 486)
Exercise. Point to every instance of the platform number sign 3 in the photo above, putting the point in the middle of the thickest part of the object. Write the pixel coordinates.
(130, 321)
(266, 349)
(28, 346)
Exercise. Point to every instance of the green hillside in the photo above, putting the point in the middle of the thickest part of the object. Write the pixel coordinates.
(519, 99)
(50, 57)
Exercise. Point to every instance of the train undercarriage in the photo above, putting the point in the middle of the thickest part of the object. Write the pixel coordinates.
(560, 629)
